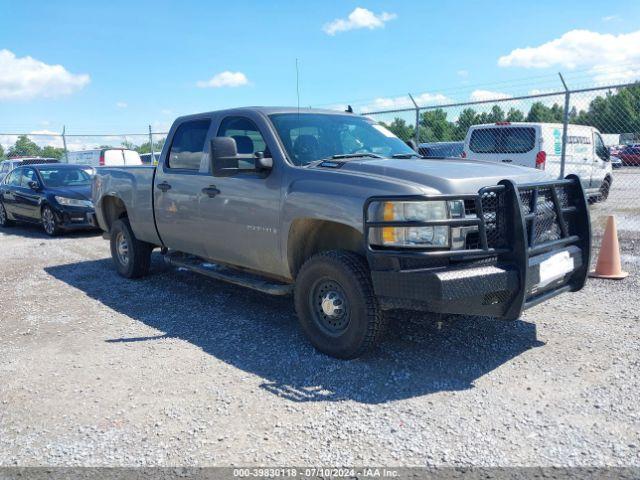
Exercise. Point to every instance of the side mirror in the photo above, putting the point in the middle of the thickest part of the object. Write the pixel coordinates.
(412, 144)
(223, 156)
(225, 161)
(34, 185)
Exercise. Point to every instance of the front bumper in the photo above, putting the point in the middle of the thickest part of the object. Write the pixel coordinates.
(75, 218)
(502, 277)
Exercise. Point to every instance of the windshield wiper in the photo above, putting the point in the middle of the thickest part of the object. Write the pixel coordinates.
(343, 156)
(406, 155)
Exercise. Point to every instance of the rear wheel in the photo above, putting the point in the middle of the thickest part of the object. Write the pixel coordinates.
(336, 304)
(50, 222)
(4, 219)
(131, 256)
(604, 189)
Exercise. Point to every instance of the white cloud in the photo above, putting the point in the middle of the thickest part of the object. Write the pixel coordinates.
(224, 79)
(25, 77)
(122, 104)
(359, 18)
(463, 73)
(390, 103)
(607, 57)
(609, 18)
(480, 95)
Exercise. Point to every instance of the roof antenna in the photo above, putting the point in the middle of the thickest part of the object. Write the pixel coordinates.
(298, 86)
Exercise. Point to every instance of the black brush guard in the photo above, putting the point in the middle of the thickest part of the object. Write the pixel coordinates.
(518, 226)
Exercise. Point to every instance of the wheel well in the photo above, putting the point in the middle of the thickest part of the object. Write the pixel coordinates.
(113, 208)
(310, 236)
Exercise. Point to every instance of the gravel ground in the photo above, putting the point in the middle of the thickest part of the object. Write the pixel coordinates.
(179, 369)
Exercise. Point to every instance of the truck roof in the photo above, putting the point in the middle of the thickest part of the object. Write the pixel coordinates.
(266, 111)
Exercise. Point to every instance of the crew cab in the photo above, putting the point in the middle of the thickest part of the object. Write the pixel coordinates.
(335, 209)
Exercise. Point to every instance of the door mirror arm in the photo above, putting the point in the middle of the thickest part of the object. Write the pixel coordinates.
(263, 163)
(34, 185)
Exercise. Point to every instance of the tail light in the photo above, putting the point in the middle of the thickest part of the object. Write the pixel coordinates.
(541, 159)
(101, 162)
(463, 154)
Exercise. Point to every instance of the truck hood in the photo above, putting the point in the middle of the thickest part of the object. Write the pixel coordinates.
(447, 175)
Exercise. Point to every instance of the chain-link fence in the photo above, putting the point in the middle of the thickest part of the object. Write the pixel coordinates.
(593, 133)
(47, 144)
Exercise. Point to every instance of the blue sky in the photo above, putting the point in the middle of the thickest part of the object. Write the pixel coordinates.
(125, 65)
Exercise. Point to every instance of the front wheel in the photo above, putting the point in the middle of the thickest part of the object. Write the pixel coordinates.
(50, 222)
(336, 304)
(131, 256)
(604, 189)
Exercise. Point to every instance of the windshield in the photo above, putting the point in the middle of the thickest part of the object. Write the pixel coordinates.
(314, 136)
(66, 177)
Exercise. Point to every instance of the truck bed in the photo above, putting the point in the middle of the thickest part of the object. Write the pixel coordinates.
(134, 187)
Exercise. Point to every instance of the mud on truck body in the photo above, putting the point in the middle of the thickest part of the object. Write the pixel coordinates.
(336, 210)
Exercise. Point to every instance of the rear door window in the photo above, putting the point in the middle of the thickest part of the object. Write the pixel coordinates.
(187, 146)
(503, 140)
(246, 134)
(28, 175)
(13, 179)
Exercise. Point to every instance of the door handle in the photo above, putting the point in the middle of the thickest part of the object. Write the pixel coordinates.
(211, 191)
(164, 186)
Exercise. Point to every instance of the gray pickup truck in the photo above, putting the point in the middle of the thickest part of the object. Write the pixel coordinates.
(335, 209)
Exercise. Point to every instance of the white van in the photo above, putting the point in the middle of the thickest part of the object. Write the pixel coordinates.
(539, 145)
(105, 157)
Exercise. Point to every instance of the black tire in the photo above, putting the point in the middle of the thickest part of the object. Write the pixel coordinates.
(50, 223)
(354, 322)
(604, 189)
(4, 219)
(131, 256)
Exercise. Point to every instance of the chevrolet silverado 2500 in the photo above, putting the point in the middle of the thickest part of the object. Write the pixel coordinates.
(335, 209)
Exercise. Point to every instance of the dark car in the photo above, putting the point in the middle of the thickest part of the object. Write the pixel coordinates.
(58, 196)
(441, 149)
(630, 155)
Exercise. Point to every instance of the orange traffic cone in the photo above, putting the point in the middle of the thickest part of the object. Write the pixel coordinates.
(609, 265)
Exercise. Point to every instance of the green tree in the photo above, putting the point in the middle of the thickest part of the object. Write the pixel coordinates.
(157, 146)
(24, 148)
(52, 152)
(468, 117)
(400, 128)
(2, 157)
(515, 115)
(438, 129)
(539, 112)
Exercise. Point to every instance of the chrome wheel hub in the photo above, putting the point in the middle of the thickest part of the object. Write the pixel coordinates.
(122, 248)
(330, 307)
(332, 304)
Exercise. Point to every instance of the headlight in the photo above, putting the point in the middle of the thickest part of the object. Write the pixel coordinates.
(413, 211)
(74, 202)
